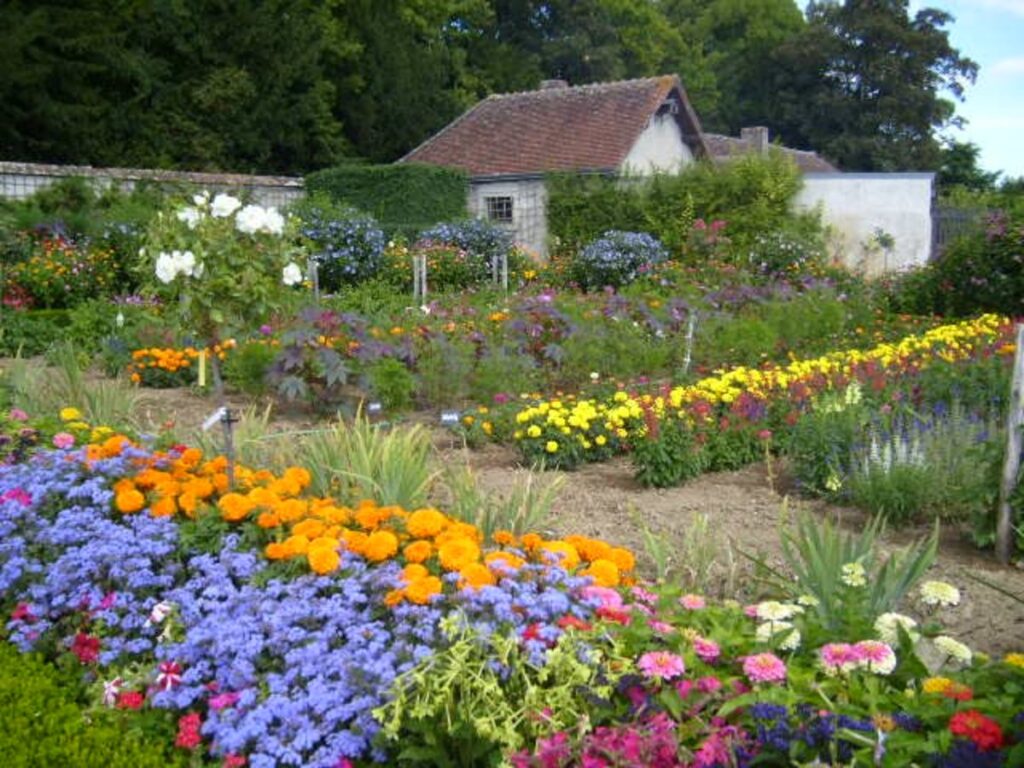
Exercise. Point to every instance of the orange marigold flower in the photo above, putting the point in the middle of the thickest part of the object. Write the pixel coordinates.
(504, 538)
(124, 484)
(414, 571)
(190, 457)
(456, 554)
(531, 541)
(394, 597)
(129, 500)
(220, 482)
(334, 515)
(504, 561)
(593, 549)
(165, 506)
(370, 517)
(234, 507)
(298, 475)
(276, 550)
(475, 575)
(297, 545)
(291, 510)
(425, 523)
(623, 558)
(564, 553)
(310, 527)
(323, 560)
(380, 545)
(421, 590)
(460, 530)
(605, 573)
(262, 497)
(200, 487)
(418, 551)
(285, 487)
(113, 446)
(355, 541)
(268, 520)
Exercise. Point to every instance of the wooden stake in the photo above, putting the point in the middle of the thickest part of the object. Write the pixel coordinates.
(1011, 462)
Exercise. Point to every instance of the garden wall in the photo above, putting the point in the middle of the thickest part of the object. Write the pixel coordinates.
(21, 180)
(858, 207)
(528, 197)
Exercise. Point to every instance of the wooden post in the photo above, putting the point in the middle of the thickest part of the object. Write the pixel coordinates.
(1011, 462)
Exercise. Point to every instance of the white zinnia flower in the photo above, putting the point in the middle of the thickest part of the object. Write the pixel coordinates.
(190, 216)
(772, 610)
(808, 601)
(887, 626)
(291, 274)
(939, 593)
(224, 205)
(954, 649)
(854, 575)
(767, 631)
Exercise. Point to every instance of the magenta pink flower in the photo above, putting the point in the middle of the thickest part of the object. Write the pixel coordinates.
(706, 650)
(16, 414)
(877, 656)
(644, 596)
(764, 668)
(692, 602)
(607, 597)
(839, 658)
(709, 684)
(63, 440)
(168, 675)
(223, 700)
(661, 627)
(661, 665)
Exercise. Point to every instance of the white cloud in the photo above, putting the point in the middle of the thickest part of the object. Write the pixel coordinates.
(1013, 66)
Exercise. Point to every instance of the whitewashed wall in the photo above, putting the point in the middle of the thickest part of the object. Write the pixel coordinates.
(659, 148)
(858, 205)
(529, 225)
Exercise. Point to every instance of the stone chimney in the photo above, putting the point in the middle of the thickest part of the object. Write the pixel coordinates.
(756, 137)
(553, 85)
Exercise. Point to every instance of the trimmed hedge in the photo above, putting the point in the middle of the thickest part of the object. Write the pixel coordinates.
(403, 198)
(44, 722)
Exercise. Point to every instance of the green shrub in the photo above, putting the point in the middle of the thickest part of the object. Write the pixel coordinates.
(392, 383)
(247, 366)
(669, 457)
(502, 369)
(616, 258)
(32, 332)
(46, 723)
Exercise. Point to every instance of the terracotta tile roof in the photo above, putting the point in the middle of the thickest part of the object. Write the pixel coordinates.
(722, 148)
(589, 127)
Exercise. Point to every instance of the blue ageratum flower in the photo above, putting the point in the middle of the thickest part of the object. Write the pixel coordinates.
(617, 258)
(348, 250)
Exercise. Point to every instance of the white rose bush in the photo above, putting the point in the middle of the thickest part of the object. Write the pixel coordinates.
(226, 266)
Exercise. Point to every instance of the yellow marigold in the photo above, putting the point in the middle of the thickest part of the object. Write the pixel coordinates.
(165, 506)
(285, 487)
(565, 554)
(129, 500)
(1015, 659)
(334, 515)
(234, 507)
(504, 538)
(418, 551)
(310, 527)
(380, 545)
(623, 558)
(421, 590)
(414, 571)
(503, 561)
(605, 573)
(459, 530)
(425, 523)
(268, 520)
(276, 550)
(475, 575)
(70, 414)
(291, 510)
(456, 554)
(936, 685)
(323, 560)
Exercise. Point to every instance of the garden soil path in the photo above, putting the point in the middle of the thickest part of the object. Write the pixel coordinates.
(744, 510)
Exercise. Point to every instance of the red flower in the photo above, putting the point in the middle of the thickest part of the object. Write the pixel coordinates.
(572, 621)
(958, 692)
(23, 612)
(618, 615)
(233, 761)
(188, 731)
(130, 700)
(86, 648)
(983, 731)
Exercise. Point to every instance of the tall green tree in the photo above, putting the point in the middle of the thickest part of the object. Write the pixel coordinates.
(864, 84)
(960, 167)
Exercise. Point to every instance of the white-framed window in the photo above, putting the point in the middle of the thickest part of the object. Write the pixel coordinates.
(499, 209)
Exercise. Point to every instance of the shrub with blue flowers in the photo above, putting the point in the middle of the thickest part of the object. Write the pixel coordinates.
(616, 259)
(348, 245)
(477, 243)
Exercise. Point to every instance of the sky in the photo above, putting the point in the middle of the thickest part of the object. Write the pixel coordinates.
(991, 32)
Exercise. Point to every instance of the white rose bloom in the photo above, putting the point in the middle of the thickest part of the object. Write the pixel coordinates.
(273, 221)
(291, 275)
(198, 271)
(186, 262)
(202, 199)
(190, 216)
(166, 268)
(250, 219)
(224, 205)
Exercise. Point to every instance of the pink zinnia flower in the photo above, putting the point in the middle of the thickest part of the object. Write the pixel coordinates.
(86, 648)
(661, 665)
(607, 597)
(63, 440)
(661, 627)
(188, 736)
(644, 596)
(839, 658)
(19, 495)
(709, 684)
(16, 414)
(706, 650)
(764, 668)
(692, 602)
(877, 656)
(750, 611)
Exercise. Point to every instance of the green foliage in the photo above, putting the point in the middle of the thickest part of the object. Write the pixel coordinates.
(248, 366)
(31, 333)
(392, 383)
(403, 198)
(752, 194)
(501, 369)
(669, 457)
(46, 722)
(822, 442)
(443, 371)
(526, 507)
